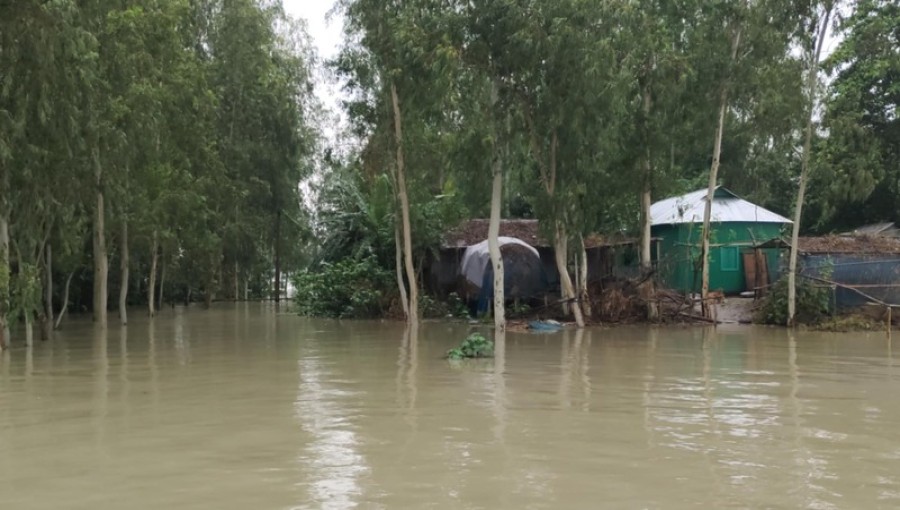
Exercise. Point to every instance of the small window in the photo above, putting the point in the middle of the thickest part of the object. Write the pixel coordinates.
(729, 258)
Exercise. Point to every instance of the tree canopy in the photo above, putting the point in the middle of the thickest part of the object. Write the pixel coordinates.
(172, 139)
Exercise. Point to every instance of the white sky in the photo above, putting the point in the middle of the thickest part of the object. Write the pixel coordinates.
(326, 33)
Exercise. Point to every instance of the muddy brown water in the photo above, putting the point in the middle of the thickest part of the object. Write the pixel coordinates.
(238, 407)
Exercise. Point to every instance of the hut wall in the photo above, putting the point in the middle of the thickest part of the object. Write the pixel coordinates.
(599, 262)
(680, 252)
(442, 272)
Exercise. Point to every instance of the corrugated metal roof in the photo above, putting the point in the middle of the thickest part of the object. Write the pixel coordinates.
(726, 207)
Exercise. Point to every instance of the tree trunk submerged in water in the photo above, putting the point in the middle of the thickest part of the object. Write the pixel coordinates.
(494, 224)
(29, 329)
(646, 252)
(567, 290)
(277, 262)
(101, 258)
(646, 220)
(583, 294)
(162, 286)
(123, 284)
(4, 268)
(398, 263)
(413, 315)
(65, 304)
(151, 284)
(47, 319)
(237, 280)
(560, 240)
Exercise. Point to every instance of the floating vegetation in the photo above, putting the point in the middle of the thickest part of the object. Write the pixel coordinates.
(474, 346)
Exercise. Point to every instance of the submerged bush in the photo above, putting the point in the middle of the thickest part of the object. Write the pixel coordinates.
(432, 308)
(348, 288)
(850, 323)
(474, 346)
(813, 303)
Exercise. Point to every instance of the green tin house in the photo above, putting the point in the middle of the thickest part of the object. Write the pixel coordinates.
(737, 227)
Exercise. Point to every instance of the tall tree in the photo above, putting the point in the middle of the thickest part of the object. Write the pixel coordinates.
(734, 46)
(820, 21)
(713, 175)
(655, 57)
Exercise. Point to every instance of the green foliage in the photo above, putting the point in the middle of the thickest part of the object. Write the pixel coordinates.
(197, 122)
(813, 303)
(474, 346)
(26, 293)
(348, 288)
(857, 173)
(519, 309)
(194, 119)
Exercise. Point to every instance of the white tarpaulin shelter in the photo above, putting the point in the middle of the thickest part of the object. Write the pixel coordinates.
(476, 258)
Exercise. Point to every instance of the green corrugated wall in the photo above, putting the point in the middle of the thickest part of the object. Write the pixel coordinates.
(680, 249)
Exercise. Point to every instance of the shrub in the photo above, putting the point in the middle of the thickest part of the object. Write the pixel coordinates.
(813, 303)
(348, 288)
(433, 309)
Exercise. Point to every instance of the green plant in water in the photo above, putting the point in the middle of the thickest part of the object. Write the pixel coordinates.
(474, 346)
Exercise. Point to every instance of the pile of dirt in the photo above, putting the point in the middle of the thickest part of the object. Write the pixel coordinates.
(474, 231)
(858, 244)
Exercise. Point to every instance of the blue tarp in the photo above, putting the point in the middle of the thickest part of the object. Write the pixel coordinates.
(523, 277)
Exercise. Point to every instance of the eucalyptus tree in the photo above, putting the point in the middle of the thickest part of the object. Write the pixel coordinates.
(483, 38)
(141, 42)
(560, 67)
(813, 41)
(731, 44)
(398, 70)
(40, 45)
(109, 110)
(264, 135)
(733, 28)
(652, 43)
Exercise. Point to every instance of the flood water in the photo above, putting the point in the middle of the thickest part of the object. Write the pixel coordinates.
(238, 407)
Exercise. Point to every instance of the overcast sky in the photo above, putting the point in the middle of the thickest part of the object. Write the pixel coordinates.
(325, 33)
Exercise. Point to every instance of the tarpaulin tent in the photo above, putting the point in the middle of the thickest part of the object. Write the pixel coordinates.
(523, 273)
